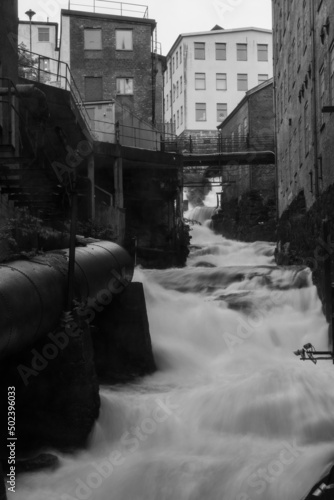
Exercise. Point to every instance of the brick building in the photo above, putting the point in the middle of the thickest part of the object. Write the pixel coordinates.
(209, 72)
(111, 57)
(304, 88)
(250, 126)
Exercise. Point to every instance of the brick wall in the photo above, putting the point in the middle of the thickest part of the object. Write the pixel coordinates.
(110, 63)
(302, 75)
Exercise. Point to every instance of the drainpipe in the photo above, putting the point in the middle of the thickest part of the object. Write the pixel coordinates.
(314, 100)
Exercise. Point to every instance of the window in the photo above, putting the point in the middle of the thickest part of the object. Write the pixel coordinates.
(170, 97)
(199, 50)
(199, 81)
(241, 51)
(221, 111)
(174, 119)
(93, 88)
(262, 52)
(200, 112)
(180, 54)
(166, 75)
(173, 92)
(242, 83)
(124, 40)
(173, 64)
(221, 81)
(167, 104)
(92, 39)
(181, 115)
(221, 51)
(124, 85)
(177, 59)
(262, 78)
(170, 70)
(177, 119)
(180, 84)
(43, 34)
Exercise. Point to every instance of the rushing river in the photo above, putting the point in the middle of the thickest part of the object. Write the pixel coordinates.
(231, 413)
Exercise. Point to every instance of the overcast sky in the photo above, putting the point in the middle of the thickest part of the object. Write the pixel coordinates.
(173, 16)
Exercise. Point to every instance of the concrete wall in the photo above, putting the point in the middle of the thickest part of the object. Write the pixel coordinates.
(210, 66)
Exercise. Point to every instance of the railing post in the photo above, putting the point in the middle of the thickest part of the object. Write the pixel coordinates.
(9, 112)
(39, 69)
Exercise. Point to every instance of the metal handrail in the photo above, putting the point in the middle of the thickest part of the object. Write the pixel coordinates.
(67, 77)
(120, 9)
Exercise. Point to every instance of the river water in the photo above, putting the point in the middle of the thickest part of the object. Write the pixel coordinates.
(231, 413)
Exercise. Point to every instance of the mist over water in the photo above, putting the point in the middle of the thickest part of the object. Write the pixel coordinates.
(231, 413)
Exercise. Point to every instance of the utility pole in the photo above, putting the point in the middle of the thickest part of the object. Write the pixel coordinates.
(30, 13)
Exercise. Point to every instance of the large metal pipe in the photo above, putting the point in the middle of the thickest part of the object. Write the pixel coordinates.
(33, 292)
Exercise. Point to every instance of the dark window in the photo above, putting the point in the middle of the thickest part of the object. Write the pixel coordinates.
(221, 51)
(262, 52)
(93, 88)
(199, 50)
(43, 34)
(93, 39)
(242, 51)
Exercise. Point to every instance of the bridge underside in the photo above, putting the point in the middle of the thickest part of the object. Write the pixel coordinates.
(235, 158)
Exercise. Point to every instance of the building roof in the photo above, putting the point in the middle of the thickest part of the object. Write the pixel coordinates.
(109, 17)
(243, 101)
(214, 31)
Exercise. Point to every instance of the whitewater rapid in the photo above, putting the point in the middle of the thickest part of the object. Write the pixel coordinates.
(231, 413)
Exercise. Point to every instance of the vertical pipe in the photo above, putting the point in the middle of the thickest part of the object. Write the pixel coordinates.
(327, 281)
(71, 260)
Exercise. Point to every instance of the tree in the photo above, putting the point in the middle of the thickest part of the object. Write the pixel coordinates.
(30, 65)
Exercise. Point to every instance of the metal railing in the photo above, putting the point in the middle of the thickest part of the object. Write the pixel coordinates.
(117, 8)
(31, 67)
(211, 144)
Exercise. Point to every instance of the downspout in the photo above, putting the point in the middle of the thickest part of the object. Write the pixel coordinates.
(314, 101)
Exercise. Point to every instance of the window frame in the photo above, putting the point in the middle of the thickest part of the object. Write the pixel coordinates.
(46, 31)
(122, 30)
(99, 42)
(221, 80)
(219, 111)
(199, 80)
(266, 52)
(239, 80)
(199, 51)
(242, 53)
(199, 110)
(220, 49)
(119, 79)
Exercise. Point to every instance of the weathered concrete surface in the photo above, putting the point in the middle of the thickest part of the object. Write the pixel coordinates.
(122, 341)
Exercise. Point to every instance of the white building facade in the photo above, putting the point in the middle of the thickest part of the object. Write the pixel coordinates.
(44, 45)
(208, 74)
